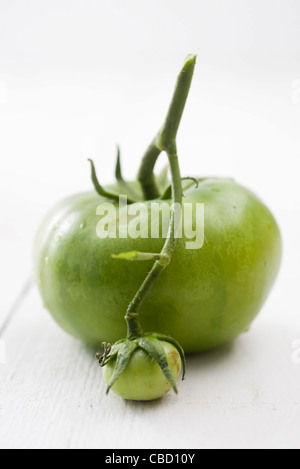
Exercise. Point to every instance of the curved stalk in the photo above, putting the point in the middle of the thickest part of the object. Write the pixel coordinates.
(164, 141)
(167, 135)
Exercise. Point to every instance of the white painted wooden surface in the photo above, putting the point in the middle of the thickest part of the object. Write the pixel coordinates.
(66, 97)
(244, 395)
(52, 394)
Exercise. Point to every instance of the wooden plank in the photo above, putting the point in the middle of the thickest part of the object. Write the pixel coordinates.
(8, 317)
(18, 225)
(53, 395)
(14, 276)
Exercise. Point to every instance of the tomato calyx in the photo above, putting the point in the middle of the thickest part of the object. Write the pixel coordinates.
(122, 351)
(168, 192)
(104, 192)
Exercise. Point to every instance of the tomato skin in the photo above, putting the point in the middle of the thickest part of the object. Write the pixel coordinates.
(204, 299)
(143, 379)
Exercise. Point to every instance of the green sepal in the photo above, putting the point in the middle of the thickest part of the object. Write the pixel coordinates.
(109, 352)
(121, 181)
(194, 180)
(153, 347)
(103, 192)
(125, 350)
(119, 176)
(168, 192)
(176, 344)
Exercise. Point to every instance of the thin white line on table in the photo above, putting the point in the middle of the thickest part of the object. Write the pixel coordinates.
(16, 305)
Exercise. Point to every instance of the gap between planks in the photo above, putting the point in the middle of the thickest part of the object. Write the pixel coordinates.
(25, 290)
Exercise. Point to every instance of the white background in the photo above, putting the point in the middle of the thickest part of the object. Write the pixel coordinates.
(78, 77)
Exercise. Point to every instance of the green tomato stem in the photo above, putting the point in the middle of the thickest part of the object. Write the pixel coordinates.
(168, 131)
(165, 141)
(146, 175)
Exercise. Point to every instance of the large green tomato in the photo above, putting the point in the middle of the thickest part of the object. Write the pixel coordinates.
(204, 299)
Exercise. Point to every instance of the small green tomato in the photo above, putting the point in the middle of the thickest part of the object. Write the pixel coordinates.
(142, 367)
(143, 379)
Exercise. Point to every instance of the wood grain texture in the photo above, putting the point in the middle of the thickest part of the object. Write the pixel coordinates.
(52, 394)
